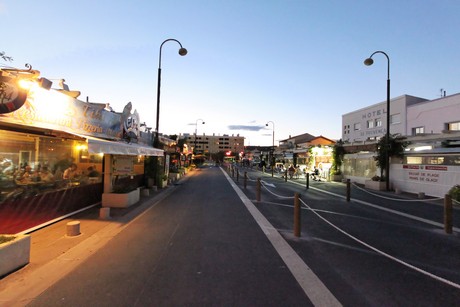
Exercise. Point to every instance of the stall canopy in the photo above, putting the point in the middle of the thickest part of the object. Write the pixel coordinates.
(96, 145)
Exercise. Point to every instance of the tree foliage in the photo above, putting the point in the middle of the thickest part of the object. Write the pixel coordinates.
(5, 57)
(397, 144)
(338, 152)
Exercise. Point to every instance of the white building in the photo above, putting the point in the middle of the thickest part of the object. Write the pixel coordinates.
(432, 161)
(370, 123)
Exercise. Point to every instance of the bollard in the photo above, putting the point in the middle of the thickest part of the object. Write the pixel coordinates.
(258, 190)
(296, 215)
(237, 175)
(448, 214)
(245, 179)
(307, 180)
(73, 228)
(285, 176)
(348, 189)
(233, 172)
(104, 213)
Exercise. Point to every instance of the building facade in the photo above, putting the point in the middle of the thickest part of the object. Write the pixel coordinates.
(431, 163)
(59, 154)
(210, 144)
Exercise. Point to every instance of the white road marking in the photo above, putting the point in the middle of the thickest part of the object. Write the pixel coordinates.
(313, 287)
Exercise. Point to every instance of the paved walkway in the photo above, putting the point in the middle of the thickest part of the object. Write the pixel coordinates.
(51, 247)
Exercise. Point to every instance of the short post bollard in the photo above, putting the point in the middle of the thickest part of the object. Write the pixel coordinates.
(448, 214)
(285, 176)
(258, 190)
(296, 215)
(307, 180)
(233, 172)
(348, 189)
(245, 179)
(237, 175)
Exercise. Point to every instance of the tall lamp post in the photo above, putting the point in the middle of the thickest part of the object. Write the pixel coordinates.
(369, 61)
(182, 52)
(196, 130)
(272, 162)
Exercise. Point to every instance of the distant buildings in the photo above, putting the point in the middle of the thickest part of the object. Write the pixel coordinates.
(211, 144)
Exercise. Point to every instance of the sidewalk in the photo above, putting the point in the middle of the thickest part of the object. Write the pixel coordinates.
(51, 243)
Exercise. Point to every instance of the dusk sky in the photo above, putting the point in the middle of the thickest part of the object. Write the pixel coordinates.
(296, 63)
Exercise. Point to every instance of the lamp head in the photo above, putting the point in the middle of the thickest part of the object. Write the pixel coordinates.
(203, 123)
(368, 61)
(182, 51)
(266, 124)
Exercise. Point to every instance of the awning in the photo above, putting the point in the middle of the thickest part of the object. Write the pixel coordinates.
(96, 146)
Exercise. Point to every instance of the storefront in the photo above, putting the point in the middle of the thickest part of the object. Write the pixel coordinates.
(53, 148)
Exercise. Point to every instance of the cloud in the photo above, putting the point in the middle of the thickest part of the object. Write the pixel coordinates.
(246, 127)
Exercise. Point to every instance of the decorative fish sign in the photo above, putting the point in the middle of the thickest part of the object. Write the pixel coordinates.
(12, 97)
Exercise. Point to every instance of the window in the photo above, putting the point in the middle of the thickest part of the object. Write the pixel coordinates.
(370, 123)
(453, 126)
(418, 130)
(378, 122)
(413, 160)
(357, 126)
(37, 163)
(395, 119)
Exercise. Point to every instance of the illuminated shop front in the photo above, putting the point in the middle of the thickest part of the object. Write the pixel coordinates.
(53, 148)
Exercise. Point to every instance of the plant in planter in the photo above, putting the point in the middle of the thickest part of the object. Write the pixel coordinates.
(338, 152)
(454, 192)
(14, 252)
(396, 143)
(124, 194)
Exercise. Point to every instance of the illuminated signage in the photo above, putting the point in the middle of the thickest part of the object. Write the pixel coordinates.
(12, 97)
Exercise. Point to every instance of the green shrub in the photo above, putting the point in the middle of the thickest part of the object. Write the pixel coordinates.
(454, 192)
(4, 239)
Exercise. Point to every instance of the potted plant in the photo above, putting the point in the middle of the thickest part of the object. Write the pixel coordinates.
(163, 181)
(149, 171)
(396, 145)
(338, 152)
(122, 196)
(454, 192)
(14, 252)
(375, 183)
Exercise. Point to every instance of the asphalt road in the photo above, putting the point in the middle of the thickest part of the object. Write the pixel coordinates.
(200, 246)
(365, 255)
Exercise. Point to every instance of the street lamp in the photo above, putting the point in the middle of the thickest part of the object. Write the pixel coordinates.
(196, 129)
(273, 146)
(182, 52)
(368, 62)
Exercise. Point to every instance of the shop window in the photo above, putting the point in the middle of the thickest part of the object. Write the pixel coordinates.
(32, 164)
(453, 126)
(418, 130)
(414, 160)
(435, 160)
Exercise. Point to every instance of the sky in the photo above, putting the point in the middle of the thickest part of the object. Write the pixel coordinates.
(294, 64)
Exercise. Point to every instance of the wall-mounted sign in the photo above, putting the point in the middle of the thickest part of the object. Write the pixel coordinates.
(123, 165)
